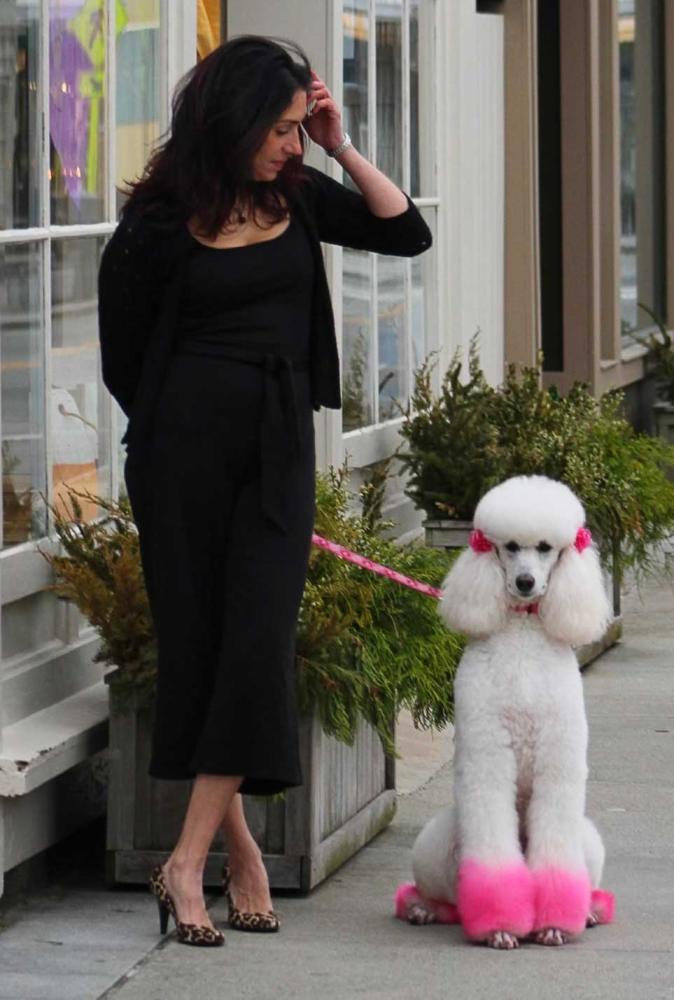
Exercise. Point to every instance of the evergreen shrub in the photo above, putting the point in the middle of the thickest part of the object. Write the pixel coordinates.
(472, 436)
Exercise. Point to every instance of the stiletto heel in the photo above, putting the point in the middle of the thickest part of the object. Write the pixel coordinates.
(240, 920)
(197, 934)
(163, 916)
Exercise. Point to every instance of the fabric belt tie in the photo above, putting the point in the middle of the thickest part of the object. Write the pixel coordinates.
(280, 426)
(279, 436)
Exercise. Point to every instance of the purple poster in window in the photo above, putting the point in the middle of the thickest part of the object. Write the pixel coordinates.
(77, 54)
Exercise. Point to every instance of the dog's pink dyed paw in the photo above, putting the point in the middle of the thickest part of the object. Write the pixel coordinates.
(503, 941)
(493, 899)
(406, 896)
(414, 907)
(562, 900)
(551, 936)
(602, 908)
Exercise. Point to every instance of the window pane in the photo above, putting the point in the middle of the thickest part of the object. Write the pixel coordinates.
(19, 133)
(422, 100)
(642, 212)
(389, 89)
(423, 301)
(137, 108)
(21, 356)
(355, 22)
(80, 407)
(392, 334)
(77, 109)
(357, 405)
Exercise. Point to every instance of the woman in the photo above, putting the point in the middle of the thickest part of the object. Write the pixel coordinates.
(218, 342)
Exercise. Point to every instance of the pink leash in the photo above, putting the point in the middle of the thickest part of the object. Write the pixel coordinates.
(390, 574)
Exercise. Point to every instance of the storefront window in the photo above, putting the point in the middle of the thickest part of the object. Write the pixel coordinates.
(355, 48)
(137, 96)
(357, 388)
(22, 389)
(642, 129)
(386, 304)
(422, 316)
(19, 133)
(389, 89)
(78, 109)
(79, 405)
(392, 324)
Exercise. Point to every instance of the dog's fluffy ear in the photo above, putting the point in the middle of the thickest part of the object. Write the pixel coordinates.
(473, 594)
(576, 608)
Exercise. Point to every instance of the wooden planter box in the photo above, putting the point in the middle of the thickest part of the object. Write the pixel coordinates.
(454, 534)
(348, 797)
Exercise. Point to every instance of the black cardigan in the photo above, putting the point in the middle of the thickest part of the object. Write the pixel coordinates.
(140, 283)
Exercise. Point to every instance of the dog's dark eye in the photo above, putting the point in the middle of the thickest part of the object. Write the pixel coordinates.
(512, 547)
(543, 547)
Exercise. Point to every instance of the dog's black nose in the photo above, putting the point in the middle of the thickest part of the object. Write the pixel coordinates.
(525, 583)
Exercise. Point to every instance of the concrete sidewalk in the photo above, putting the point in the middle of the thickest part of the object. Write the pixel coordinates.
(342, 940)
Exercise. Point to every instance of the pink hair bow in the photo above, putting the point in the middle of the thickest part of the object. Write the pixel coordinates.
(478, 542)
(583, 539)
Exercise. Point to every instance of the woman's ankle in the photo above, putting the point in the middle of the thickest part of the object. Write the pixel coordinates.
(245, 857)
(187, 867)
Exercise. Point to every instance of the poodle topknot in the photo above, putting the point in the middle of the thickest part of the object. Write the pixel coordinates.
(530, 509)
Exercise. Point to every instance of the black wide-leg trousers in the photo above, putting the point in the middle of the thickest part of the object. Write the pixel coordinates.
(225, 583)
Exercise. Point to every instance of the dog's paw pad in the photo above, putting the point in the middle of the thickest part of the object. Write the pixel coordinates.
(592, 919)
(503, 940)
(551, 936)
(419, 913)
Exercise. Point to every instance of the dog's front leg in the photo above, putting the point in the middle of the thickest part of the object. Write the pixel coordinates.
(555, 818)
(494, 888)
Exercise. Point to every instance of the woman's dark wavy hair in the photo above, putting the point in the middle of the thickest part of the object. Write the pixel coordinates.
(222, 111)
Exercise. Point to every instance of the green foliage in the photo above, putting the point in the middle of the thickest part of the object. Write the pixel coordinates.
(520, 428)
(451, 444)
(366, 646)
(100, 571)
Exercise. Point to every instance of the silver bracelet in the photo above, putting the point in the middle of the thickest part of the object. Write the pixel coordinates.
(344, 144)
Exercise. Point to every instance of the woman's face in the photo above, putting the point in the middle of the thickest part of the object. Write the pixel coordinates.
(282, 141)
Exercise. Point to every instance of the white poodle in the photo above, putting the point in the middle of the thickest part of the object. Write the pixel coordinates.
(516, 856)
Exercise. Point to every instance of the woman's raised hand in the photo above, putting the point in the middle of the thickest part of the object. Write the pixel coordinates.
(323, 123)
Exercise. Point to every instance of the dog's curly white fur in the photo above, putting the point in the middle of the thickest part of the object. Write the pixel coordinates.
(516, 856)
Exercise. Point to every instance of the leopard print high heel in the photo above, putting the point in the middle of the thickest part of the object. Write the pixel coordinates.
(196, 934)
(240, 920)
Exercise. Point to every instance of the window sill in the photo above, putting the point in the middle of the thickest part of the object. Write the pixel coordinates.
(372, 444)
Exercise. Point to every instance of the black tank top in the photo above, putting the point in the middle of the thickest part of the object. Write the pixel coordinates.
(255, 297)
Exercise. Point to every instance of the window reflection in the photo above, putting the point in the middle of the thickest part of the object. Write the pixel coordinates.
(137, 95)
(22, 392)
(392, 333)
(356, 38)
(642, 250)
(77, 108)
(357, 406)
(422, 319)
(19, 133)
(79, 408)
(389, 89)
